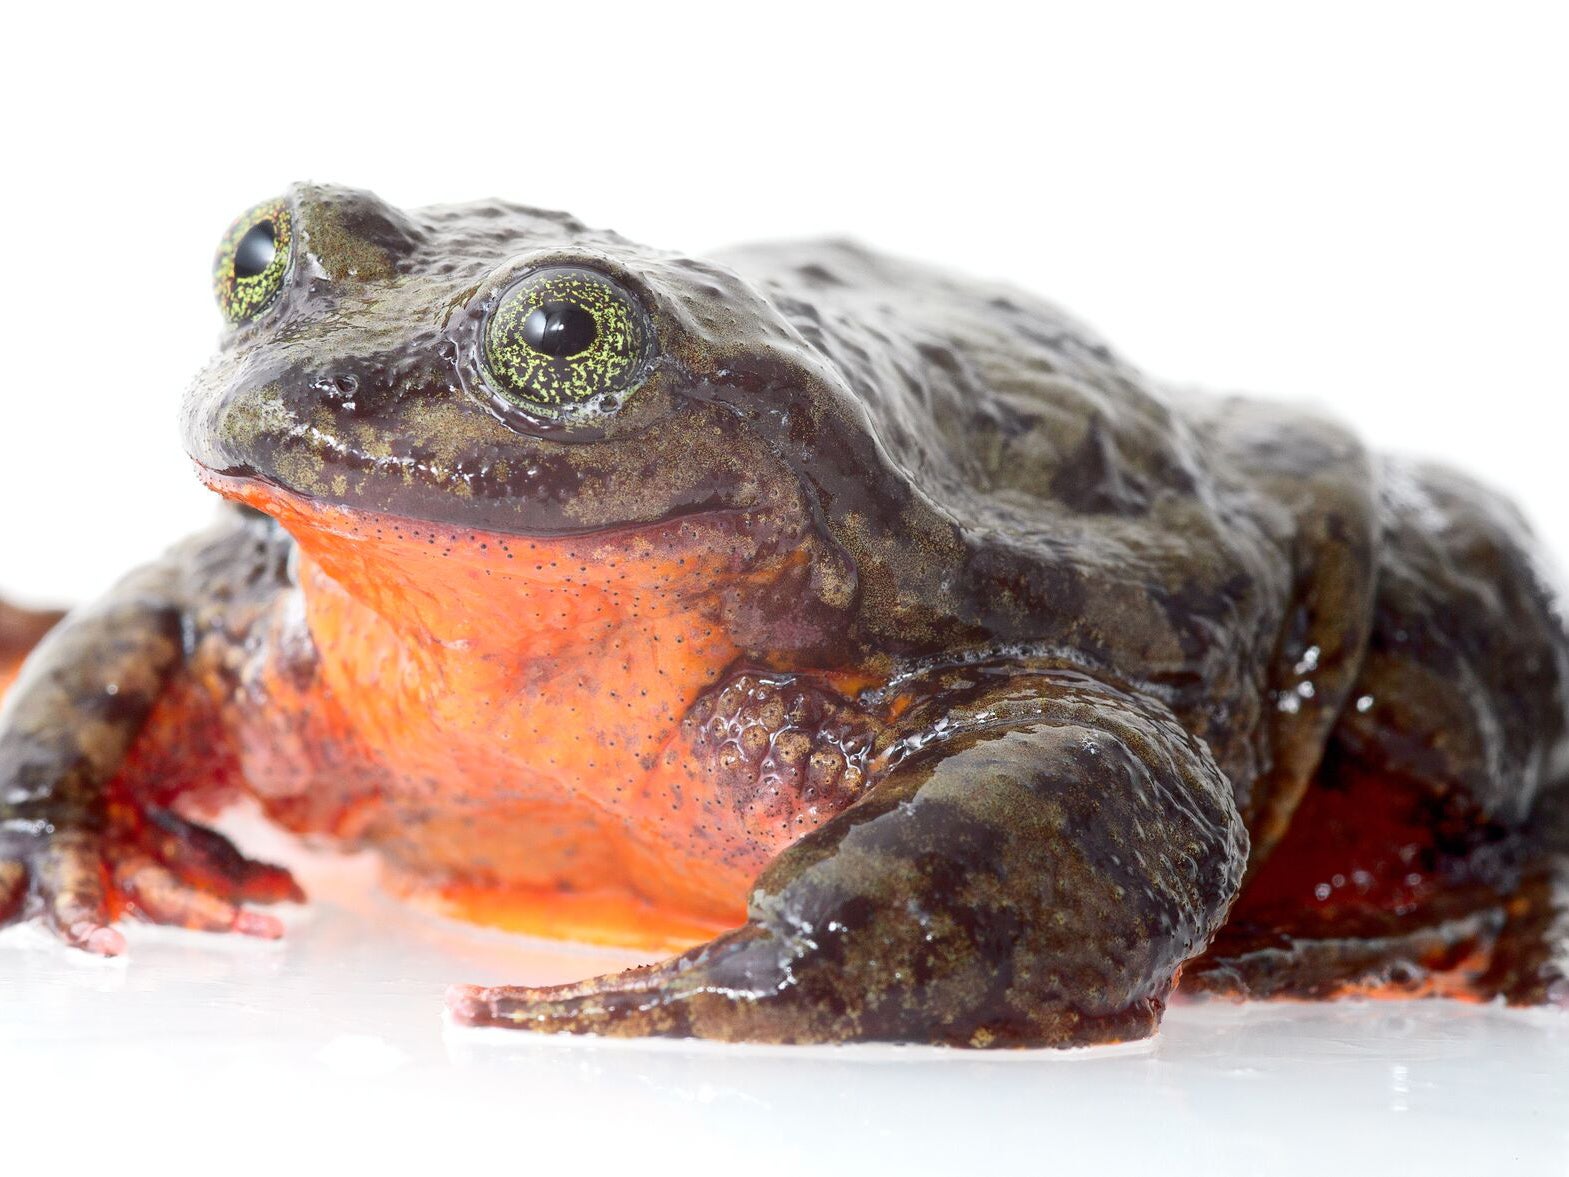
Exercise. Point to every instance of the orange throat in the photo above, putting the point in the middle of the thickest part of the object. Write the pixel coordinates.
(521, 700)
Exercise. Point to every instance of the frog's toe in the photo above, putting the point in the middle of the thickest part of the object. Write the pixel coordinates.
(708, 992)
(160, 897)
(162, 869)
(73, 886)
(206, 860)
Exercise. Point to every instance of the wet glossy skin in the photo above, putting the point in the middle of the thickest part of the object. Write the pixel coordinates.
(888, 618)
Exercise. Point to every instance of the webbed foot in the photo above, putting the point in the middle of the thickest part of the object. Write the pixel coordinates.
(159, 868)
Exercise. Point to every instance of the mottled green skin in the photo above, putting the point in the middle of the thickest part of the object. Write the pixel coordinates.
(1115, 628)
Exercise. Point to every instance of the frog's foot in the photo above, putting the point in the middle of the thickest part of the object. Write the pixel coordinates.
(1035, 883)
(1473, 943)
(165, 871)
(841, 983)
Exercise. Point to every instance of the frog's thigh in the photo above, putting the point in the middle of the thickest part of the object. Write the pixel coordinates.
(1415, 862)
(1492, 928)
(1037, 884)
(1366, 894)
(1465, 685)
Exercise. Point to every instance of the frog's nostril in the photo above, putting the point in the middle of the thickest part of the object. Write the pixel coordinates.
(341, 387)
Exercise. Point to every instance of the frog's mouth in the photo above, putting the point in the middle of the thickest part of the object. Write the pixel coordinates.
(430, 454)
(412, 454)
(459, 583)
(725, 527)
(459, 513)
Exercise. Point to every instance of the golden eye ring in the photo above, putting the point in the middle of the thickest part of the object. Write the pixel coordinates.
(253, 261)
(565, 338)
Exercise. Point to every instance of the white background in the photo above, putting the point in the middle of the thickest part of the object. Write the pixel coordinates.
(1361, 205)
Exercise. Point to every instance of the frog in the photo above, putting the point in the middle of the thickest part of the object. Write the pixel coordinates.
(873, 646)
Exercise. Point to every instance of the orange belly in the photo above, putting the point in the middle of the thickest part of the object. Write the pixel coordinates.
(501, 718)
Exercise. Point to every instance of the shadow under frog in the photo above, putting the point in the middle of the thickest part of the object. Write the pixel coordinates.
(939, 675)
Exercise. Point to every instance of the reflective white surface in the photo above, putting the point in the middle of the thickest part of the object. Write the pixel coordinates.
(329, 1050)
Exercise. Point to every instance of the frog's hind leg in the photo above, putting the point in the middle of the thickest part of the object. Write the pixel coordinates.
(1420, 861)
(1476, 947)
(1383, 888)
(1036, 879)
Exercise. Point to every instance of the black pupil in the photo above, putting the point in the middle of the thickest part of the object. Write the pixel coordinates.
(559, 329)
(255, 251)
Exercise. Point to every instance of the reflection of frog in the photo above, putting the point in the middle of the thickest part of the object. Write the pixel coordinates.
(589, 583)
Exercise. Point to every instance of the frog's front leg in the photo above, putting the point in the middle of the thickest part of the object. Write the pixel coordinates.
(1030, 866)
(80, 843)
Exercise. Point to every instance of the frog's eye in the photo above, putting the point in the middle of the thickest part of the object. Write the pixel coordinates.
(253, 261)
(565, 337)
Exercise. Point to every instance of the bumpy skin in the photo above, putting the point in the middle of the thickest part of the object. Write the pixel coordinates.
(966, 675)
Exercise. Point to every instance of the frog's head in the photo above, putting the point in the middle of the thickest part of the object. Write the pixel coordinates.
(496, 367)
(499, 370)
